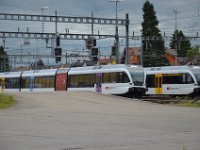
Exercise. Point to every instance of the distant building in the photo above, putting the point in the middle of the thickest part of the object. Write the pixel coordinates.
(134, 55)
(105, 60)
(171, 56)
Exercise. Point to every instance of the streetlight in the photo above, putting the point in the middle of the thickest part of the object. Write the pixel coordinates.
(116, 30)
(176, 35)
(43, 8)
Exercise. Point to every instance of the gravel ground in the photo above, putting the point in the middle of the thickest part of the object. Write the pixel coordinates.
(90, 121)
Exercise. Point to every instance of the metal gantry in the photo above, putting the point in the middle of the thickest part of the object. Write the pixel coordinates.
(58, 19)
(67, 36)
(64, 36)
(61, 19)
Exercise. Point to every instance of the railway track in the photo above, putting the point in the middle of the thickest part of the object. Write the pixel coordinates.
(168, 99)
(158, 100)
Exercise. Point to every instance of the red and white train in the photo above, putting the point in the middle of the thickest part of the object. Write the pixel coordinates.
(126, 80)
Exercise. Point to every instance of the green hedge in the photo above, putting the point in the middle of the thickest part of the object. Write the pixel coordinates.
(6, 101)
(187, 103)
(190, 103)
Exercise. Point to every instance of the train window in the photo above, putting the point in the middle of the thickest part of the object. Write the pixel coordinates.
(39, 82)
(44, 82)
(25, 82)
(187, 78)
(197, 75)
(123, 77)
(89, 80)
(115, 77)
(150, 81)
(84, 80)
(177, 78)
(112, 77)
(80, 79)
(137, 76)
(106, 77)
(12, 83)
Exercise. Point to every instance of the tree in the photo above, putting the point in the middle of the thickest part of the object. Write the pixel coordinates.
(4, 62)
(180, 43)
(152, 44)
(193, 52)
(40, 63)
(193, 55)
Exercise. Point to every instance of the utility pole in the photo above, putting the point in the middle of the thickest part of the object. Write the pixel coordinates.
(4, 42)
(176, 35)
(175, 12)
(56, 23)
(127, 39)
(92, 25)
(43, 8)
(116, 30)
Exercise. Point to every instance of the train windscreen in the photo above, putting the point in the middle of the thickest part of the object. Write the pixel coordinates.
(197, 75)
(137, 76)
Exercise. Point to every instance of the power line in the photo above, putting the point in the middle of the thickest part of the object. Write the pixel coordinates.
(171, 19)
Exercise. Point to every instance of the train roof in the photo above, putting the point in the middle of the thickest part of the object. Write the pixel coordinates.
(45, 72)
(172, 68)
(109, 66)
(103, 67)
(50, 72)
(10, 74)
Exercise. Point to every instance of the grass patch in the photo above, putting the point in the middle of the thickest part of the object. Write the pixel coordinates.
(6, 101)
(187, 103)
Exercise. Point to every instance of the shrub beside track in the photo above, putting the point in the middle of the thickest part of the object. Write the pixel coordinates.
(6, 101)
(179, 101)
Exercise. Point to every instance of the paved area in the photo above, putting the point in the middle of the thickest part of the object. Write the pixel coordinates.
(89, 121)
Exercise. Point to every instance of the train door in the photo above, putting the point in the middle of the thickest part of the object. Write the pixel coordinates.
(61, 80)
(31, 83)
(158, 83)
(2, 84)
(99, 82)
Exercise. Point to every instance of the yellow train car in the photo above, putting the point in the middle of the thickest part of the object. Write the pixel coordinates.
(173, 80)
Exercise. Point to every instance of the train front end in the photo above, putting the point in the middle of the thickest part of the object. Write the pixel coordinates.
(196, 72)
(138, 77)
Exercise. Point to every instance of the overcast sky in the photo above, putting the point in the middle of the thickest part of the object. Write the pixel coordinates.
(188, 18)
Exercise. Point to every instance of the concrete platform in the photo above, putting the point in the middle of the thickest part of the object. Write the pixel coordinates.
(90, 121)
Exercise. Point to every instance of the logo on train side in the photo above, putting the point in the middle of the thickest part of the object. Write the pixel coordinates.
(109, 88)
(172, 88)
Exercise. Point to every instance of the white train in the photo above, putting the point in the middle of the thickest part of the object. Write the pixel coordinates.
(173, 80)
(126, 80)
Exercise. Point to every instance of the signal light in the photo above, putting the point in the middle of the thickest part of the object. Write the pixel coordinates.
(57, 40)
(114, 51)
(90, 42)
(94, 53)
(58, 54)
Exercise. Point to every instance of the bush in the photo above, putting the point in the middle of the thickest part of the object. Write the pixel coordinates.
(6, 101)
(187, 103)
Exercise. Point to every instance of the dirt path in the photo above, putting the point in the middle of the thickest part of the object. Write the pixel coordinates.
(60, 121)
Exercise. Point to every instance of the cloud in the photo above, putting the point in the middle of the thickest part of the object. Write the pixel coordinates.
(104, 9)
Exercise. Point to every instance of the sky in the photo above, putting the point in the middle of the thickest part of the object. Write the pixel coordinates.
(188, 20)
